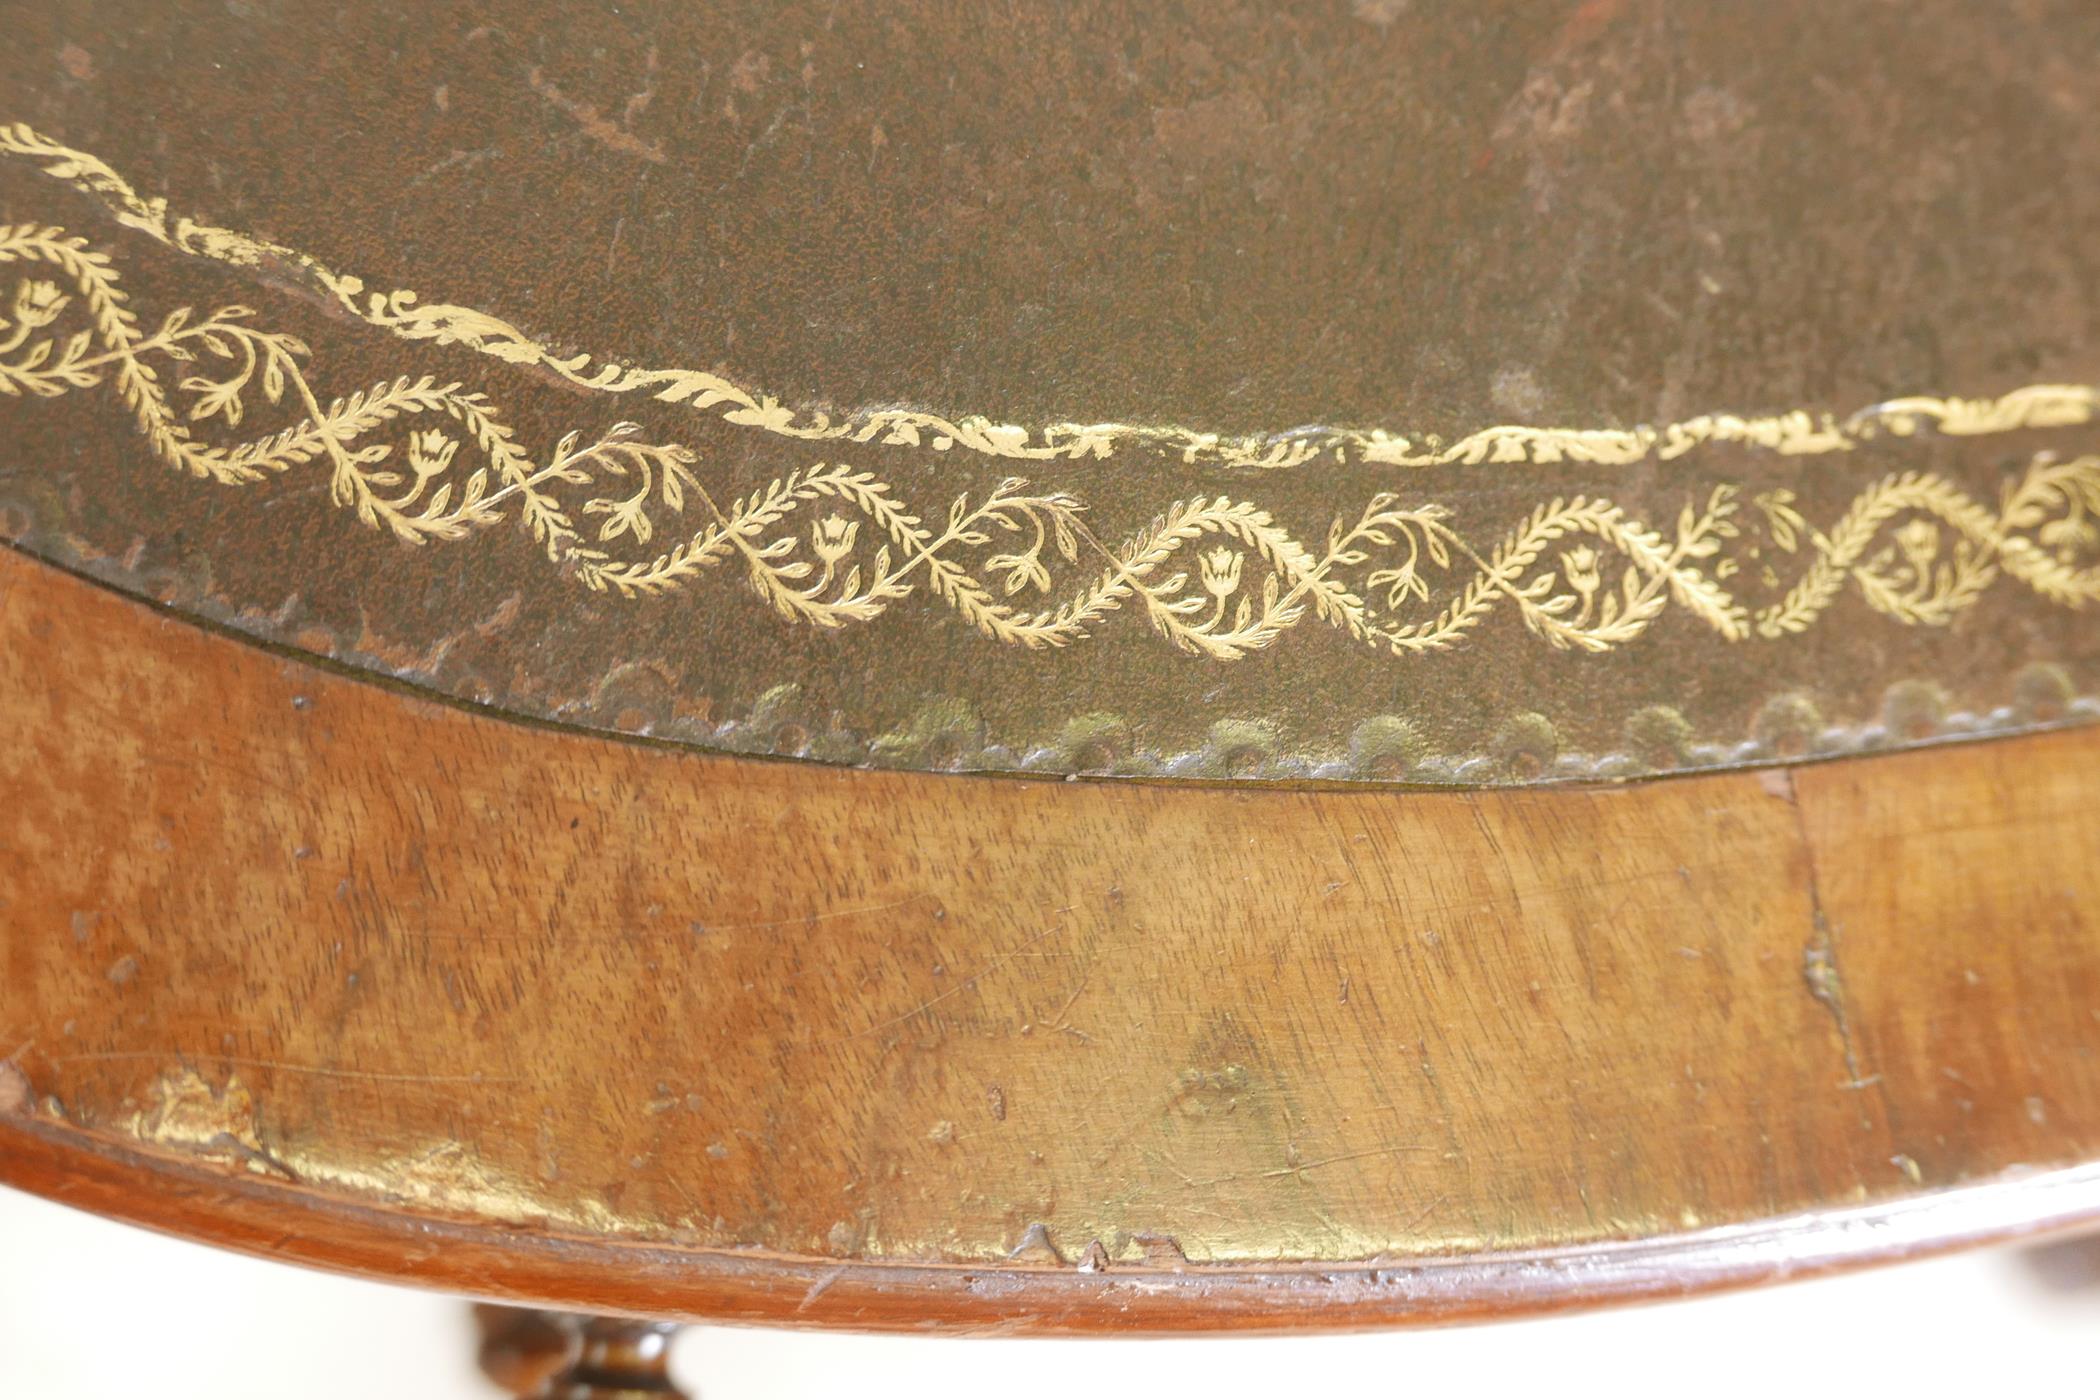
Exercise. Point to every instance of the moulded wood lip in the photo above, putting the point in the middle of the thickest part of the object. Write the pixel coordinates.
(292, 1225)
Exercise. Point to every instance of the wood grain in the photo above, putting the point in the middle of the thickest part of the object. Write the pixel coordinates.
(340, 974)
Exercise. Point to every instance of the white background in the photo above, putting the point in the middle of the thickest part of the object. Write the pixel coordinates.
(95, 1311)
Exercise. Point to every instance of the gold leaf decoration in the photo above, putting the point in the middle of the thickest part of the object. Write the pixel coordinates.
(403, 313)
(832, 545)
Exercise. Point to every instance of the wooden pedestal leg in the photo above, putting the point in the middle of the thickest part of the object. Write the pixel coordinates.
(576, 1356)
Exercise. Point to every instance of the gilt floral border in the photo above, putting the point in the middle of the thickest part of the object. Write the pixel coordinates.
(832, 545)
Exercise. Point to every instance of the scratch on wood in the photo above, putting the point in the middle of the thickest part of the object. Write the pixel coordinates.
(1301, 1168)
(1819, 959)
(702, 927)
(283, 1067)
(957, 990)
(817, 1288)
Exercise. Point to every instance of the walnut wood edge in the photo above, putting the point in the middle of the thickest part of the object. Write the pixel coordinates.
(290, 1225)
(1958, 881)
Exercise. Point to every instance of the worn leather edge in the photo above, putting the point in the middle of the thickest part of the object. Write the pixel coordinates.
(1213, 766)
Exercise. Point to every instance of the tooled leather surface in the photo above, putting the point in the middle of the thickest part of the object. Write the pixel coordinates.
(1369, 222)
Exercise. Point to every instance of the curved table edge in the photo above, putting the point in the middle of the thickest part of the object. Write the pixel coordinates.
(266, 1219)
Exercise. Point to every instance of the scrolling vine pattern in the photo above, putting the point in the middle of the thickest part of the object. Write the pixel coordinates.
(402, 313)
(831, 545)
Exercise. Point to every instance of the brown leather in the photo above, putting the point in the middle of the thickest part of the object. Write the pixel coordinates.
(1241, 220)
